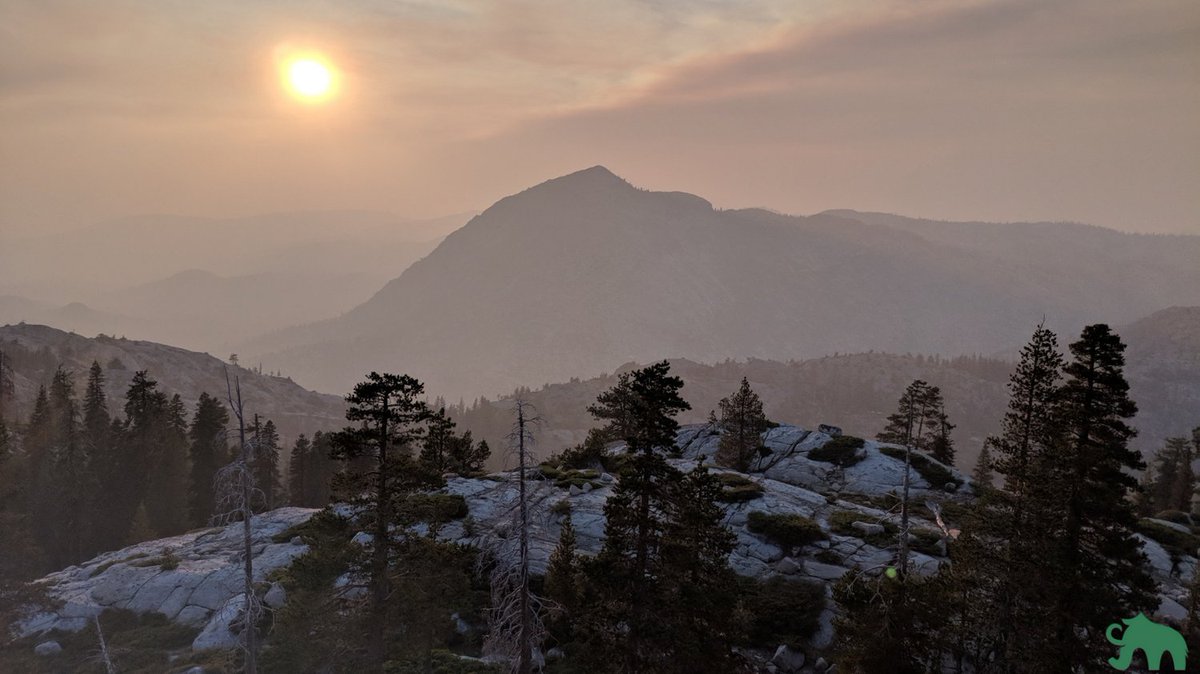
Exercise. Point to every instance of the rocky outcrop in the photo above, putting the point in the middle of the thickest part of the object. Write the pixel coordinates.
(196, 579)
(190, 579)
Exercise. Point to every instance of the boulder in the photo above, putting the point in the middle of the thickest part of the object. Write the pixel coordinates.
(219, 633)
(788, 659)
(276, 596)
(869, 528)
(47, 648)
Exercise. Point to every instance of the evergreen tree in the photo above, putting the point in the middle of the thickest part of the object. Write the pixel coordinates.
(913, 425)
(664, 546)
(208, 452)
(436, 446)
(167, 489)
(323, 468)
(1097, 561)
(1173, 482)
(267, 476)
(63, 482)
(999, 556)
(742, 424)
(941, 446)
(562, 583)
(298, 468)
(390, 416)
(466, 456)
(983, 477)
(7, 385)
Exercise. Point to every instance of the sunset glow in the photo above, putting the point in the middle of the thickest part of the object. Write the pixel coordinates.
(309, 78)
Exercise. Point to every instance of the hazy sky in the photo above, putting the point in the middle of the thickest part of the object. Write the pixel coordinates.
(1001, 110)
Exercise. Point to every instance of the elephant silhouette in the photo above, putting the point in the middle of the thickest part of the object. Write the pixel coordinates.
(1154, 640)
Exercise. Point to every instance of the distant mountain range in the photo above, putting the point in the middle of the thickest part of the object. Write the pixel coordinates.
(858, 391)
(207, 283)
(583, 273)
(34, 351)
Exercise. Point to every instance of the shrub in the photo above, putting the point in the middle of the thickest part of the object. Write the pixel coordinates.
(562, 507)
(842, 522)
(438, 508)
(738, 488)
(931, 471)
(587, 454)
(840, 451)
(781, 610)
(1176, 543)
(1176, 516)
(787, 531)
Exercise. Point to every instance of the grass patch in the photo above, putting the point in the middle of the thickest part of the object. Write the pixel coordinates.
(840, 451)
(787, 531)
(737, 488)
(937, 475)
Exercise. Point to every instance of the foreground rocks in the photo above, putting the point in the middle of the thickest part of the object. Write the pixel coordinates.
(196, 579)
(190, 579)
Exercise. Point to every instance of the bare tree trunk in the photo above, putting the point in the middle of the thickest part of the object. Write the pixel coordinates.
(379, 552)
(109, 668)
(525, 665)
(235, 486)
(515, 624)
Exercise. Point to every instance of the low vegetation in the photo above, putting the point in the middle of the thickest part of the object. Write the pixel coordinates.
(937, 475)
(736, 488)
(841, 451)
(788, 531)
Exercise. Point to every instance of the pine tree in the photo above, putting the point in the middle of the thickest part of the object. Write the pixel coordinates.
(664, 540)
(63, 482)
(1173, 482)
(267, 476)
(913, 426)
(7, 385)
(208, 452)
(941, 446)
(438, 442)
(742, 424)
(390, 414)
(983, 477)
(323, 468)
(999, 556)
(562, 582)
(167, 490)
(1097, 560)
(298, 469)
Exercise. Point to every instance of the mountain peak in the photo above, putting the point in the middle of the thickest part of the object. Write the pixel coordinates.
(594, 178)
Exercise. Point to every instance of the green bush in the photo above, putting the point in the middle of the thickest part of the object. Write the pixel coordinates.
(1176, 543)
(438, 508)
(1176, 516)
(737, 488)
(841, 451)
(931, 471)
(587, 454)
(787, 531)
(781, 610)
(842, 522)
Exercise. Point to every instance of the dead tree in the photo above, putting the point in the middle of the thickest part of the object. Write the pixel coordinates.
(515, 619)
(236, 492)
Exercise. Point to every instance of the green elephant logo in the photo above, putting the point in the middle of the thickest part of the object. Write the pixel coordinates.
(1154, 640)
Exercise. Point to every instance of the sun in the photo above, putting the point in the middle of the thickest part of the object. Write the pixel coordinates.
(310, 78)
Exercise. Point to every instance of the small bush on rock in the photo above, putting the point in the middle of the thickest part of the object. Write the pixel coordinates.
(787, 531)
(840, 451)
(738, 488)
